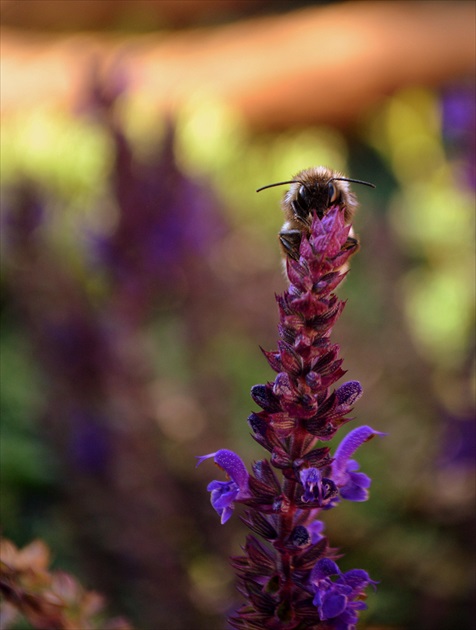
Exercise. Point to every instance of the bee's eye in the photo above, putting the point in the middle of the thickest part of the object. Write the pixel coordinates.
(332, 192)
(302, 196)
(301, 204)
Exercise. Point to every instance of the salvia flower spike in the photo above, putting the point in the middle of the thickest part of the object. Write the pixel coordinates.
(288, 574)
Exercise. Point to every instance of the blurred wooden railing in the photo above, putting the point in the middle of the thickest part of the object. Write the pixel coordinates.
(320, 64)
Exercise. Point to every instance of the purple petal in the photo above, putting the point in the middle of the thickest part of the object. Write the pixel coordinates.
(222, 497)
(332, 605)
(232, 464)
(310, 479)
(323, 568)
(360, 479)
(223, 494)
(354, 491)
(347, 448)
(315, 529)
(348, 393)
(357, 579)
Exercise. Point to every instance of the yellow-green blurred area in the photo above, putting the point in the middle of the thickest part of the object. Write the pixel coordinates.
(139, 269)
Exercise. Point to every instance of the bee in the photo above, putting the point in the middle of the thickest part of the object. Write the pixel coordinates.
(315, 189)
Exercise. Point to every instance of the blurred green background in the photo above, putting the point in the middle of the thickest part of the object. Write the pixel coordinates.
(139, 269)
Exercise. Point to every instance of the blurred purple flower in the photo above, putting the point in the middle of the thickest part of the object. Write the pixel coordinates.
(458, 441)
(90, 441)
(23, 213)
(91, 349)
(166, 222)
(458, 105)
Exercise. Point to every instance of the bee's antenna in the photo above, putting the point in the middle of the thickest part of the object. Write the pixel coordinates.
(297, 181)
(290, 181)
(355, 181)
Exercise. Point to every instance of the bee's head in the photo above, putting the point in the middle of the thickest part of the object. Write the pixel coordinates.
(318, 196)
(316, 189)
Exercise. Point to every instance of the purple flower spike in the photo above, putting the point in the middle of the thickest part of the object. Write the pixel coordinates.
(300, 410)
(225, 493)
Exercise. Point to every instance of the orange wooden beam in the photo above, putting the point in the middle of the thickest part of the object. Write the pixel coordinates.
(316, 65)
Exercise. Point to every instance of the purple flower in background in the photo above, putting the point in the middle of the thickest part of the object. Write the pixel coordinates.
(292, 581)
(458, 107)
(167, 223)
(96, 363)
(23, 213)
(89, 441)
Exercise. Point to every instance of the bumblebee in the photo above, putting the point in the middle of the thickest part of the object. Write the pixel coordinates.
(315, 189)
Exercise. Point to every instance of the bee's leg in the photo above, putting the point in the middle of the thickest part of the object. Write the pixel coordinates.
(351, 243)
(290, 241)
